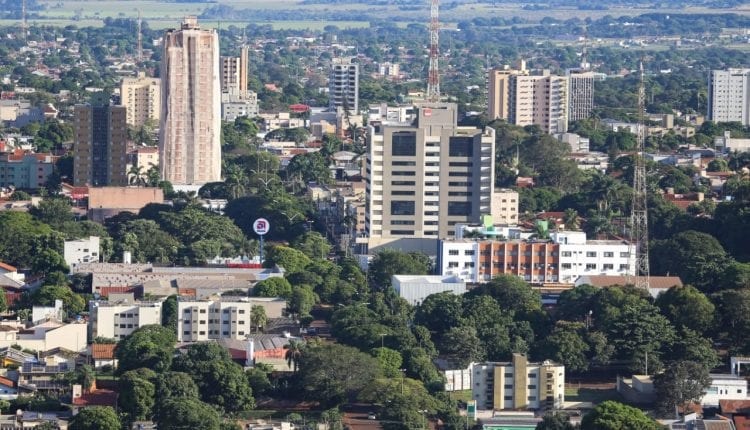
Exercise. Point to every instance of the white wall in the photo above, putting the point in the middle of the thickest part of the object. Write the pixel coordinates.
(81, 251)
(414, 289)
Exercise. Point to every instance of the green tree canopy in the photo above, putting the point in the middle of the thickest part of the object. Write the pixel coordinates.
(151, 346)
(137, 393)
(220, 381)
(389, 262)
(96, 418)
(612, 415)
(681, 384)
(186, 413)
(687, 307)
(292, 260)
(273, 287)
(697, 258)
(333, 373)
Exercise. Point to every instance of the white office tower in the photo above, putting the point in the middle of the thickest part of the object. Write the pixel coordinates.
(343, 85)
(425, 177)
(728, 96)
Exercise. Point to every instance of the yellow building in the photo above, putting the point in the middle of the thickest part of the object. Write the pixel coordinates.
(141, 96)
(518, 385)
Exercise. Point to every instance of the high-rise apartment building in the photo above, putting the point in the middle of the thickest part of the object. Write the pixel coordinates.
(729, 96)
(141, 96)
(190, 130)
(425, 177)
(580, 94)
(498, 91)
(539, 100)
(525, 99)
(518, 385)
(100, 146)
(343, 85)
(234, 72)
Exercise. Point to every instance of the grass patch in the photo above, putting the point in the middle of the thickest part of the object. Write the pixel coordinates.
(461, 396)
(592, 395)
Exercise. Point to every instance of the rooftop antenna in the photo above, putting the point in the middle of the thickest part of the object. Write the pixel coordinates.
(639, 216)
(433, 78)
(139, 51)
(584, 55)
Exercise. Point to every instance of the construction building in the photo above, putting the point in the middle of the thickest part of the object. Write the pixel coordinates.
(343, 85)
(190, 129)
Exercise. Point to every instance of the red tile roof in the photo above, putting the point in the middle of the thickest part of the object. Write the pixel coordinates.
(103, 351)
(741, 422)
(7, 267)
(7, 382)
(97, 398)
(735, 406)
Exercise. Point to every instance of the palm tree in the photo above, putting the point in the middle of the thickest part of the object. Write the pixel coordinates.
(258, 317)
(571, 219)
(153, 176)
(235, 182)
(293, 353)
(135, 175)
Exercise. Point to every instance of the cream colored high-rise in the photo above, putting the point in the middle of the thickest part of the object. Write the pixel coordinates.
(141, 96)
(234, 73)
(498, 91)
(189, 135)
(539, 100)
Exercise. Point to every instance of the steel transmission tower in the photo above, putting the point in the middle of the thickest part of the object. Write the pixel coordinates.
(433, 78)
(639, 216)
(139, 49)
(24, 24)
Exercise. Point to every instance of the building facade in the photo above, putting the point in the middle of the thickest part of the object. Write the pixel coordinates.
(27, 171)
(425, 178)
(518, 385)
(141, 97)
(235, 105)
(415, 288)
(100, 147)
(343, 85)
(234, 71)
(540, 100)
(562, 259)
(82, 251)
(728, 96)
(201, 320)
(119, 317)
(505, 207)
(581, 94)
(190, 129)
(498, 91)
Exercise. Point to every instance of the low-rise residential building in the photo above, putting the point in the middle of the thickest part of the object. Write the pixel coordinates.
(121, 315)
(82, 251)
(235, 105)
(25, 170)
(415, 288)
(225, 318)
(518, 385)
(45, 336)
(103, 355)
(561, 259)
(727, 143)
(46, 373)
(505, 207)
(725, 387)
(40, 314)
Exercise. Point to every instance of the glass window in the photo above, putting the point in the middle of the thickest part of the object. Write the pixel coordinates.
(404, 143)
(402, 207)
(459, 208)
(461, 146)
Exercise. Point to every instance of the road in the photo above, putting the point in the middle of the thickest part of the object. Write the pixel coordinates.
(355, 417)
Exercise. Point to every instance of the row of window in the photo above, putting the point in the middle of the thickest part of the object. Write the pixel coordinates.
(594, 254)
(240, 322)
(214, 311)
(212, 332)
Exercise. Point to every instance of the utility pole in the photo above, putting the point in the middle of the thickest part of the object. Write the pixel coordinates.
(433, 77)
(639, 216)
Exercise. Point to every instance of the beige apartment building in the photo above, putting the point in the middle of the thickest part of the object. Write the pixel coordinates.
(190, 129)
(234, 72)
(539, 100)
(498, 91)
(201, 320)
(100, 145)
(426, 177)
(121, 315)
(518, 385)
(141, 97)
